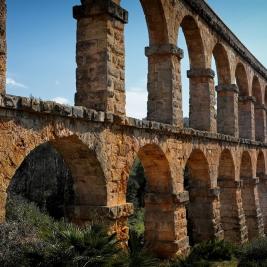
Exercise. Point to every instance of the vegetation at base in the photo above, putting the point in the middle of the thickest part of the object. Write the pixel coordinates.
(254, 254)
(31, 238)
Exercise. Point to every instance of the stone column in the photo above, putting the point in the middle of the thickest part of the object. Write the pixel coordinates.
(231, 211)
(202, 99)
(260, 122)
(227, 109)
(165, 223)
(2, 46)
(263, 199)
(246, 117)
(251, 206)
(164, 84)
(100, 55)
(213, 198)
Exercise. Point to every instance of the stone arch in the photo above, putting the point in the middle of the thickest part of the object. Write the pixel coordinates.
(88, 183)
(156, 21)
(194, 42)
(156, 168)
(248, 195)
(158, 219)
(265, 96)
(256, 90)
(222, 64)
(244, 104)
(261, 174)
(241, 80)
(228, 197)
(199, 209)
(259, 111)
(261, 169)
(201, 84)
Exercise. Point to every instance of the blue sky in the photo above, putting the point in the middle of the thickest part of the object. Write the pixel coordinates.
(41, 47)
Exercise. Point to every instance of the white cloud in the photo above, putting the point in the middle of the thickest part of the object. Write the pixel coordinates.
(11, 82)
(136, 103)
(61, 100)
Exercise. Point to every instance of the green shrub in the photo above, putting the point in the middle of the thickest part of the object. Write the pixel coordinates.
(254, 254)
(212, 250)
(137, 254)
(69, 245)
(136, 221)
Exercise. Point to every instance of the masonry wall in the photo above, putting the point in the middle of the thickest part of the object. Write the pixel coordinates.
(87, 139)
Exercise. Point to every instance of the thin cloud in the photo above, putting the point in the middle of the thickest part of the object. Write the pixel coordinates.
(61, 100)
(11, 82)
(136, 103)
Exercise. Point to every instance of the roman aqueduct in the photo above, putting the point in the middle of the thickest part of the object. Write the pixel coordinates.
(226, 195)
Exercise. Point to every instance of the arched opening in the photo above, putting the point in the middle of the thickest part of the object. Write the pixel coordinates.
(199, 92)
(185, 66)
(153, 192)
(199, 209)
(248, 197)
(194, 42)
(64, 177)
(228, 198)
(135, 78)
(244, 121)
(261, 174)
(258, 110)
(220, 64)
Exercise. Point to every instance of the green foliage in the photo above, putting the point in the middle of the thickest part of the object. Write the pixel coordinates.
(136, 222)
(69, 245)
(21, 211)
(254, 254)
(137, 254)
(136, 185)
(212, 250)
(205, 253)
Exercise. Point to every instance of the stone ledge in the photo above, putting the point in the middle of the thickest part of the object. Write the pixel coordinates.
(247, 99)
(40, 108)
(196, 73)
(227, 88)
(163, 198)
(230, 184)
(84, 212)
(166, 49)
(214, 192)
(250, 182)
(259, 106)
(100, 7)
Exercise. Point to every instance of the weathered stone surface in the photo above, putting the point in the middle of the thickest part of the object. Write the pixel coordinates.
(199, 180)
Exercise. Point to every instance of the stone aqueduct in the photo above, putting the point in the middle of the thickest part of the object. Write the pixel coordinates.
(226, 195)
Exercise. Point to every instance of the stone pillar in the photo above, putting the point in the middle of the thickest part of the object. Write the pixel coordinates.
(2, 46)
(227, 109)
(263, 199)
(164, 84)
(202, 99)
(213, 198)
(251, 206)
(246, 117)
(100, 53)
(231, 211)
(165, 223)
(260, 122)
(114, 217)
